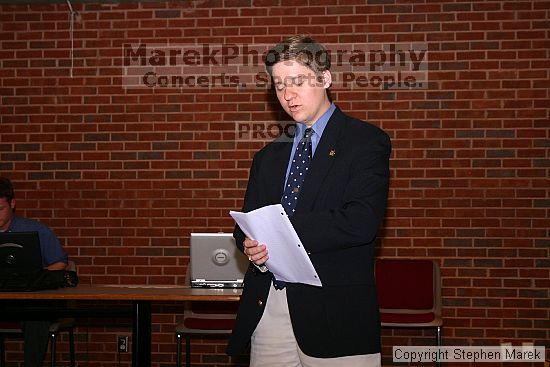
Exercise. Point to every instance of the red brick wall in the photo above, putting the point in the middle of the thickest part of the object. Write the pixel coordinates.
(123, 176)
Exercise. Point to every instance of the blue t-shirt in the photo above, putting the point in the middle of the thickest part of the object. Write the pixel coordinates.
(50, 247)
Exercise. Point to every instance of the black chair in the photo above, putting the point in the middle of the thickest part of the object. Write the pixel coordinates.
(13, 329)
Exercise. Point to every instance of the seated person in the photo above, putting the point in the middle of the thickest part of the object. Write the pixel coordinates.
(53, 258)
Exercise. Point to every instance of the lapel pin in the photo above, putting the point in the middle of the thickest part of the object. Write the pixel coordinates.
(332, 153)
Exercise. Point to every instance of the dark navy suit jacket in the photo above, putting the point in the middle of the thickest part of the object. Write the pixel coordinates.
(341, 205)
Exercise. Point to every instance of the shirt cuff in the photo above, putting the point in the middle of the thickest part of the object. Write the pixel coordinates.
(261, 268)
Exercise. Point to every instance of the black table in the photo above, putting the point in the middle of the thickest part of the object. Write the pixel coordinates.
(141, 298)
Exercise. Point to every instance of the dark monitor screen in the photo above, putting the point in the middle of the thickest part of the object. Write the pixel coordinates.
(20, 252)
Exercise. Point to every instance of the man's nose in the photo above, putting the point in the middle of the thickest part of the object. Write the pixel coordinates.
(289, 94)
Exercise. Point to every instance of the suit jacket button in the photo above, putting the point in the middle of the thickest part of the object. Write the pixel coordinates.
(260, 303)
(309, 253)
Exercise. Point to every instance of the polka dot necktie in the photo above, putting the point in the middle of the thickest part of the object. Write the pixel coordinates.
(299, 166)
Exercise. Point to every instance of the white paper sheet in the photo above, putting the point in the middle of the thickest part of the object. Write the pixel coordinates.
(288, 260)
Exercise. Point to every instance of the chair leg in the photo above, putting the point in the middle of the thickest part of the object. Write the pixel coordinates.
(438, 363)
(2, 352)
(187, 350)
(71, 347)
(52, 339)
(178, 350)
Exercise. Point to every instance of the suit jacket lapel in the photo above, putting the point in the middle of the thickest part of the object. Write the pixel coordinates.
(277, 166)
(322, 161)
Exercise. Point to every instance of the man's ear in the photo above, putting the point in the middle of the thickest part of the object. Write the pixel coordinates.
(12, 204)
(327, 79)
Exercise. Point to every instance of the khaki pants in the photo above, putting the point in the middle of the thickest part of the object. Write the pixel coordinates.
(274, 344)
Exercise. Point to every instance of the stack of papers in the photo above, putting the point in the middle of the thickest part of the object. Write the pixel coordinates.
(288, 260)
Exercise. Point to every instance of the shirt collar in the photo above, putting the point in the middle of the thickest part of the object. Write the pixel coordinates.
(319, 125)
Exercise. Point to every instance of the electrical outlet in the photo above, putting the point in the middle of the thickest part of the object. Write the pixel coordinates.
(122, 343)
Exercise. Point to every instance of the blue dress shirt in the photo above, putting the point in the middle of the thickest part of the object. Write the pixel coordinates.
(318, 128)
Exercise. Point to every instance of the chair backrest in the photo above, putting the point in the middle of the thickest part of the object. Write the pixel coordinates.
(10, 327)
(408, 285)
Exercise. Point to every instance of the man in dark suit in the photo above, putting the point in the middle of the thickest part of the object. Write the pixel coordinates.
(336, 211)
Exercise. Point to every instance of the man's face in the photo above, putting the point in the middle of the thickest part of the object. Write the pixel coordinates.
(300, 91)
(6, 213)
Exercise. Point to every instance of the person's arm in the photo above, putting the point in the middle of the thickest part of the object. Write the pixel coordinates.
(250, 201)
(57, 266)
(256, 253)
(53, 255)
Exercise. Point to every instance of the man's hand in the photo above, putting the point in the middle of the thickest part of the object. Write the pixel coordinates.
(256, 253)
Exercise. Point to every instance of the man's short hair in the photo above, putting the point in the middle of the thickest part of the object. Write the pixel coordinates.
(302, 49)
(6, 189)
